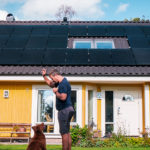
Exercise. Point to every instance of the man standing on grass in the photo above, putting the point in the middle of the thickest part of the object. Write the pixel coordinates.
(62, 89)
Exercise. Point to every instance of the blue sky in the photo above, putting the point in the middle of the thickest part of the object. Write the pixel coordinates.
(86, 9)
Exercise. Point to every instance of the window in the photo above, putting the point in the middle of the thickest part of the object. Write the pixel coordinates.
(104, 45)
(93, 43)
(74, 104)
(83, 45)
(45, 109)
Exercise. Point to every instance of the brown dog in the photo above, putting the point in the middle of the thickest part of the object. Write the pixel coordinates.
(38, 142)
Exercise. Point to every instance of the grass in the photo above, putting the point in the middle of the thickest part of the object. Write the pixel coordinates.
(58, 147)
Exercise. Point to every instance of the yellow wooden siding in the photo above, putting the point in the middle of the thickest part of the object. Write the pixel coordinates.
(16, 108)
(99, 111)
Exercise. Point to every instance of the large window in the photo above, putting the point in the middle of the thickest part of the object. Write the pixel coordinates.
(46, 109)
(93, 43)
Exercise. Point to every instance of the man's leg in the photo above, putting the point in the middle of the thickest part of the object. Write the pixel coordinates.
(65, 142)
(70, 141)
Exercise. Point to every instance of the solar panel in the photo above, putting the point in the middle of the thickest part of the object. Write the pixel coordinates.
(32, 57)
(133, 31)
(40, 30)
(57, 42)
(78, 30)
(142, 56)
(96, 30)
(37, 42)
(58, 30)
(10, 56)
(146, 30)
(22, 30)
(6, 29)
(138, 42)
(3, 40)
(122, 57)
(54, 57)
(17, 41)
(100, 57)
(115, 31)
(77, 57)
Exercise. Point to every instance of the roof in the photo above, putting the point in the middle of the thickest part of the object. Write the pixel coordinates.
(26, 45)
(79, 70)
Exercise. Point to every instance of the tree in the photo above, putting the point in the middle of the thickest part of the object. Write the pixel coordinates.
(65, 11)
(137, 19)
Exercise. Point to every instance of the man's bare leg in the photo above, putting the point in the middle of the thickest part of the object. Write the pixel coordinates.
(65, 141)
(70, 141)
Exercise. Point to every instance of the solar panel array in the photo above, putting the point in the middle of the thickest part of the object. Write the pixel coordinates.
(47, 45)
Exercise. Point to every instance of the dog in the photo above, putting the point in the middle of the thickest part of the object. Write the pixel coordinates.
(38, 142)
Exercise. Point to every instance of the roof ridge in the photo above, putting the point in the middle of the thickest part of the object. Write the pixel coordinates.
(36, 22)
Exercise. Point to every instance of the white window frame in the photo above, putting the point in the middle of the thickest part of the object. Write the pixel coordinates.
(92, 88)
(34, 114)
(78, 89)
(93, 42)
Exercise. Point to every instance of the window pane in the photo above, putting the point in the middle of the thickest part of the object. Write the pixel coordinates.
(74, 103)
(104, 45)
(83, 45)
(109, 106)
(45, 106)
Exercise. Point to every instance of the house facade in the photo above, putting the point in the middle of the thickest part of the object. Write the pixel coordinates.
(107, 64)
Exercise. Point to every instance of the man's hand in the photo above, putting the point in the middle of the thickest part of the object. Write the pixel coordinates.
(43, 72)
(55, 90)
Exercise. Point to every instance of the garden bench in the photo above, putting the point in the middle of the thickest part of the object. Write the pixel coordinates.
(12, 131)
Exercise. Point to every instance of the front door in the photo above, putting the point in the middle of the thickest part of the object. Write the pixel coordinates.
(122, 110)
(128, 112)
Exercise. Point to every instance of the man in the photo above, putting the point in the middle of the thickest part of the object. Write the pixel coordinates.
(63, 104)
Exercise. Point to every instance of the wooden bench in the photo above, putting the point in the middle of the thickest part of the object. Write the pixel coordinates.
(7, 131)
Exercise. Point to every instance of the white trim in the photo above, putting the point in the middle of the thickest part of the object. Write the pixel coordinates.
(35, 89)
(93, 42)
(78, 88)
(94, 106)
(147, 109)
(93, 79)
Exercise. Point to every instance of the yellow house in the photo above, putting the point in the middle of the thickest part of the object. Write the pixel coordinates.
(109, 72)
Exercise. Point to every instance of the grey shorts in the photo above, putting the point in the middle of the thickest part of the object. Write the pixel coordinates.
(64, 118)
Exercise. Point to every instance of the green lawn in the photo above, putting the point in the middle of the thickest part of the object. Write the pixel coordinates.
(53, 147)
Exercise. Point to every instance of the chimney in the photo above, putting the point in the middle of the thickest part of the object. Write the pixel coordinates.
(65, 21)
(10, 17)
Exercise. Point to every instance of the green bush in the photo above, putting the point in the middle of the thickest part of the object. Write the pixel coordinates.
(83, 137)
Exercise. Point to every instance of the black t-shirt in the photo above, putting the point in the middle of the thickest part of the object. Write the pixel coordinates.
(64, 87)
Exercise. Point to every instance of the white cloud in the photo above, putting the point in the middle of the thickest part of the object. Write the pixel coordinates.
(122, 8)
(46, 9)
(3, 14)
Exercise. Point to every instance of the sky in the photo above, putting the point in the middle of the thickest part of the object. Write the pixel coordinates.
(88, 10)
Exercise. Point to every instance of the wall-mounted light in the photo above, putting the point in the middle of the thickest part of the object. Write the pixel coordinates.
(6, 94)
(98, 95)
(127, 98)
